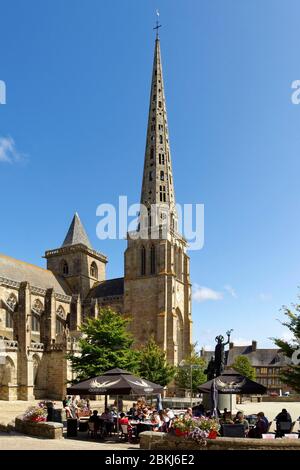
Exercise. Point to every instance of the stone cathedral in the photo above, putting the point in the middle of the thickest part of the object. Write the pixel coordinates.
(41, 310)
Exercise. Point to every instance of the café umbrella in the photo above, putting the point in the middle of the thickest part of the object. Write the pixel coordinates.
(115, 382)
(232, 383)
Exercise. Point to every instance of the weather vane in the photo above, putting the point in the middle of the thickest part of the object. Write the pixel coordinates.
(157, 24)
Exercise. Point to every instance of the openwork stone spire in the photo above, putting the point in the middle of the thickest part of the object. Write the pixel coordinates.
(158, 187)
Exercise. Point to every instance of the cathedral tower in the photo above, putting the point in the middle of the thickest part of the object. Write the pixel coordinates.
(157, 289)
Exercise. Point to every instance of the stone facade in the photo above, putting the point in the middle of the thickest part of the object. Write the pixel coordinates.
(41, 310)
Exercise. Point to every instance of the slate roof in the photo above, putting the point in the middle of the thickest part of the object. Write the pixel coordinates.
(77, 234)
(21, 271)
(258, 357)
(109, 288)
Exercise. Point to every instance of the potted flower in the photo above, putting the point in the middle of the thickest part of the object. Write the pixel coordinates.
(36, 414)
(205, 428)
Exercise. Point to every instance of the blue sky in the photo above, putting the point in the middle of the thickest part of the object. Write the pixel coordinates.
(78, 77)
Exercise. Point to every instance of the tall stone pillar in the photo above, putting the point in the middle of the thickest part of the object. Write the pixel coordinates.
(75, 313)
(49, 324)
(25, 365)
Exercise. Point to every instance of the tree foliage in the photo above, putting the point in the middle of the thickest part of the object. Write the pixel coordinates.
(291, 349)
(192, 368)
(153, 365)
(243, 366)
(105, 344)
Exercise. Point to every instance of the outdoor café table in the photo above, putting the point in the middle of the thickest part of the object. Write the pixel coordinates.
(142, 426)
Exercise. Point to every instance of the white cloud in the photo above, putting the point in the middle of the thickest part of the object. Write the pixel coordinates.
(241, 341)
(201, 294)
(230, 290)
(8, 151)
(265, 297)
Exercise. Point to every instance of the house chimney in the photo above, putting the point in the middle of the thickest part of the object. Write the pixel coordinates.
(254, 345)
(231, 345)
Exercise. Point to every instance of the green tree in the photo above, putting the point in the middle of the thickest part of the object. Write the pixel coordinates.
(291, 349)
(105, 344)
(243, 366)
(153, 365)
(192, 368)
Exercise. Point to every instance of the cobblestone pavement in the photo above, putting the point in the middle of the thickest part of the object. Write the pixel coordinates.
(17, 441)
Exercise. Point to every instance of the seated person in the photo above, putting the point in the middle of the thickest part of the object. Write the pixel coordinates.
(155, 419)
(123, 419)
(283, 416)
(188, 413)
(170, 413)
(198, 410)
(133, 410)
(240, 419)
(94, 418)
(108, 418)
(227, 417)
(261, 426)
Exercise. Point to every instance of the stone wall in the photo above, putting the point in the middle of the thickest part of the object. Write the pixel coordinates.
(162, 441)
(47, 429)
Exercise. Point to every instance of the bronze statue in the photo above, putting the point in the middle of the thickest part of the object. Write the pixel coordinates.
(210, 370)
(220, 353)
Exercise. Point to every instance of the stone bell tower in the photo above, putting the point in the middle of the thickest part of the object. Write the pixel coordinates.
(157, 288)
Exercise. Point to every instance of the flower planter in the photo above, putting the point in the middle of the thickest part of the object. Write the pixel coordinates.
(180, 433)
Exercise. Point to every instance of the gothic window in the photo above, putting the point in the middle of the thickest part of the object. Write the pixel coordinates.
(11, 302)
(65, 268)
(154, 97)
(162, 176)
(160, 127)
(159, 104)
(162, 158)
(153, 260)
(152, 152)
(61, 313)
(35, 322)
(143, 261)
(162, 194)
(150, 175)
(59, 326)
(94, 270)
(9, 319)
(37, 307)
(160, 139)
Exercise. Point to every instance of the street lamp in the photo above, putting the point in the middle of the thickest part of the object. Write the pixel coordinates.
(185, 364)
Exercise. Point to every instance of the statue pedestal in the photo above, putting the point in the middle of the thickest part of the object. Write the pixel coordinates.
(225, 400)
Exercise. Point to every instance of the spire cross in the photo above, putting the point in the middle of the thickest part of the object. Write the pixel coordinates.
(157, 24)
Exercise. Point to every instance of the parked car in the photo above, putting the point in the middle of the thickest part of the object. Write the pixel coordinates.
(273, 394)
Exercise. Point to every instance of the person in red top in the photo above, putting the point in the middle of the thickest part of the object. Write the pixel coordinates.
(123, 419)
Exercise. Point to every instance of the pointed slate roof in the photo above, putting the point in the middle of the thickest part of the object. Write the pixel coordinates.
(77, 234)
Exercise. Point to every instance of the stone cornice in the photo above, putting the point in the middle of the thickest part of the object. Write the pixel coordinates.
(75, 248)
(6, 282)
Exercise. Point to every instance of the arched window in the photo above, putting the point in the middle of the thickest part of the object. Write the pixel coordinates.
(35, 322)
(162, 175)
(9, 319)
(152, 260)
(65, 268)
(94, 270)
(143, 261)
(59, 326)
